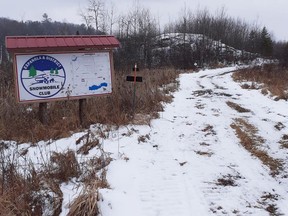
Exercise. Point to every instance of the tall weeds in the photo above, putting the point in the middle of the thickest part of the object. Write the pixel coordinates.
(34, 189)
(20, 122)
(28, 188)
(271, 78)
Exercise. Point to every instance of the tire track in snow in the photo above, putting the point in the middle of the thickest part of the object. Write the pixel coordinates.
(178, 179)
(246, 198)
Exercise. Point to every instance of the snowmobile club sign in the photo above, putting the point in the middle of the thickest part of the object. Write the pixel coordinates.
(62, 76)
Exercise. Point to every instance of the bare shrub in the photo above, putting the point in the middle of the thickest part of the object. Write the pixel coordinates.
(63, 166)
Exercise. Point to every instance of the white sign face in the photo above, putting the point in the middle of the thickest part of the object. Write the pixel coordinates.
(62, 76)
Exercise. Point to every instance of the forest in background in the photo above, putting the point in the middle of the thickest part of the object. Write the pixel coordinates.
(144, 41)
(138, 29)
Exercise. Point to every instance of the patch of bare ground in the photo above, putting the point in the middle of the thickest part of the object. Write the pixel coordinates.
(284, 141)
(143, 138)
(251, 141)
(204, 144)
(228, 180)
(209, 130)
(279, 126)
(237, 107)
(267, 201)
(204, 153)
(200, 93)
(269, 78)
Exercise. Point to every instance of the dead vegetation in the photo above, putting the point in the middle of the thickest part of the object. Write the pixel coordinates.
(29, 188)
(204, 153)
(237, 107)
(34, 189)
(279, 126)
(252, 142)
(228, 180)
(20, 122)
(267, 201)
(86, 202)
(284, 141)
(143, 138)
(269, 78)
(209, 130)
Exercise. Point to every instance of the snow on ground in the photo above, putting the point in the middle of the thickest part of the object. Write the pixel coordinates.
(190, 162)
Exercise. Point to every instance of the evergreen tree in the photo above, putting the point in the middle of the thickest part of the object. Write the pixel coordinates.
(285, 55)
(32, 71)
(253, 44)
(266, 43)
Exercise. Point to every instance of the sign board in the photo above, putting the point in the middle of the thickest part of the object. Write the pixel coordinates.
(134, 79)
(62, 76)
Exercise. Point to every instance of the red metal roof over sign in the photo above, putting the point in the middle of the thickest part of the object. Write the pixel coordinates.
(60, 43)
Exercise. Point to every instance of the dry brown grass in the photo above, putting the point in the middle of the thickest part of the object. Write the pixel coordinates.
(86, 203)
(20, 195)
(284, 141)
(25, 190)
(63, 166)
(272, 78)
(20, 122)
(237, 107)
(251, 141)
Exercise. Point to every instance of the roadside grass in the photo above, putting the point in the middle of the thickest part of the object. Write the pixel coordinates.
(28, 188)
(269, 78)
(34, 189)
(20, 122)
(251, 141)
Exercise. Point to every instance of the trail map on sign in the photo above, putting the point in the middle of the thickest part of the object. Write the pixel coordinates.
(86, 82)
(63, 76)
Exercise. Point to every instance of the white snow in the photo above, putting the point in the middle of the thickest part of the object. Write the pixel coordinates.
(173, 166)
(167, 176)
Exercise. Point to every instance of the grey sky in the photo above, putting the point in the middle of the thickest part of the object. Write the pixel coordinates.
(271, 13)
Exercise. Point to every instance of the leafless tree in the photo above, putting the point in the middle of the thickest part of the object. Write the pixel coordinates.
(96, 12)
(112, 17)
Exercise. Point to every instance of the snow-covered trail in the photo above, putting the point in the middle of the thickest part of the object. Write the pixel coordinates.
(190, 162)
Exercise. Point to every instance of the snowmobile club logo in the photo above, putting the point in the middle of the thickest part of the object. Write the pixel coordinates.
(43, 76)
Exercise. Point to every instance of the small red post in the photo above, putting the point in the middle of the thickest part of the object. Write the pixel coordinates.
(135, 69)
(134, 92)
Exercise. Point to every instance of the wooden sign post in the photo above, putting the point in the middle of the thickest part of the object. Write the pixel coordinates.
(134, 79)
(53, 68)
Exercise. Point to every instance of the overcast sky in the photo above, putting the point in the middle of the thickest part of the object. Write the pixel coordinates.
(271, 13)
